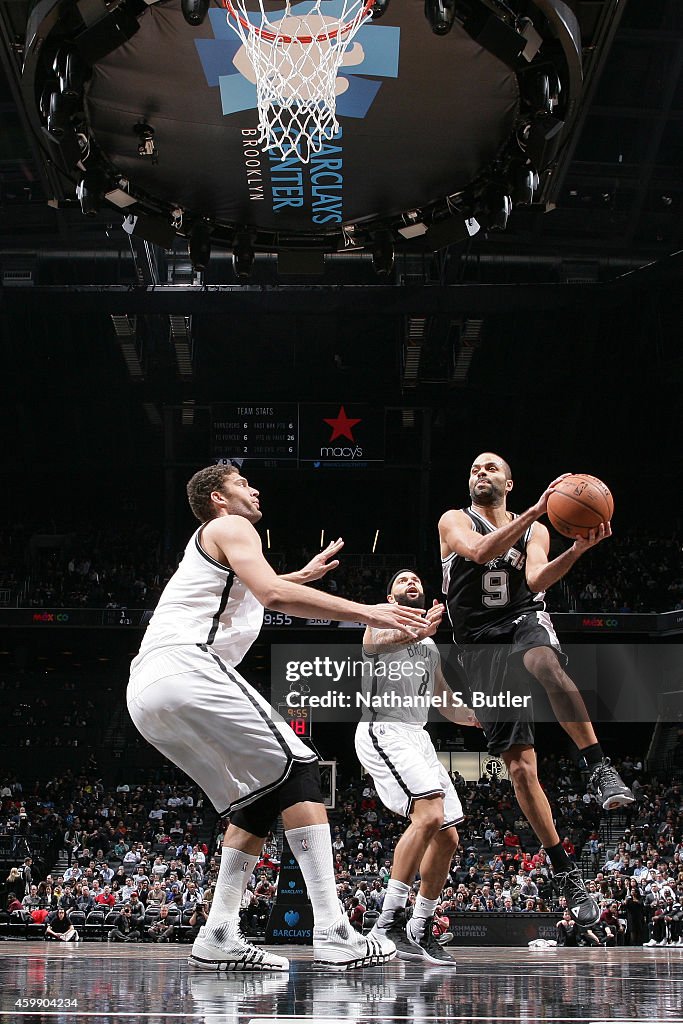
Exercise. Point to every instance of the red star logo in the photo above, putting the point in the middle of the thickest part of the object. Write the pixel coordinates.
(341, 425)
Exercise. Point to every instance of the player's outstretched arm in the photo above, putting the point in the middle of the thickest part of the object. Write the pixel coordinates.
(384, 641)
(542, 574)
(240, 546)
(319, 565)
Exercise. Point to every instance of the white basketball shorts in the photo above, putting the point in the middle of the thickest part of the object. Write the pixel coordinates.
(204, 717)
(404, 767)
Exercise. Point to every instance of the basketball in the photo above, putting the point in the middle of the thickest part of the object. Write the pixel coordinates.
(579, 504)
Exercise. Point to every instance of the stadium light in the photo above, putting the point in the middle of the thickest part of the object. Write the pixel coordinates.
(200, 245)
(194, 11)
(383, 253)
(243, 256)
(440, 14)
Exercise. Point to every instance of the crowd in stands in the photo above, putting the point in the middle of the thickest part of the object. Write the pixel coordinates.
(86, 566)
(499, 867)
(143, 856)
(68, 713)
(633, 572)
(99, 567)
(133, 852)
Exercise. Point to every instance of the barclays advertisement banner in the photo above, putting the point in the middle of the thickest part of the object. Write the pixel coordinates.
(290, 925)
(291, 919)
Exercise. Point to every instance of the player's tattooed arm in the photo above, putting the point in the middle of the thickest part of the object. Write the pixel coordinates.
(384, 641)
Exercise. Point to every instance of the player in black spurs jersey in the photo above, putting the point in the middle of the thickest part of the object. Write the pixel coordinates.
(186, 697)
(495, 572)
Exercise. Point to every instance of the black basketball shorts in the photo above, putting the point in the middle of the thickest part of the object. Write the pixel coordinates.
(499, 685)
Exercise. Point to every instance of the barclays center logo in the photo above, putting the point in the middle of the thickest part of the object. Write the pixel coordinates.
(294, 928)
(374, 51)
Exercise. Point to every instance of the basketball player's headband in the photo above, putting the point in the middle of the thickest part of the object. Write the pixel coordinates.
(395, 577)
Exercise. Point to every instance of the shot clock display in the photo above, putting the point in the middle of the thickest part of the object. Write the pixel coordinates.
(298, 718)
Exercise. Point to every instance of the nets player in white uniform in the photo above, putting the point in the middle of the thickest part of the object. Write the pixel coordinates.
(496, 570)
(187, 699)
(394, 747)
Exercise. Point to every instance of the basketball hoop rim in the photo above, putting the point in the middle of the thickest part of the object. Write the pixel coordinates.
(275, 37)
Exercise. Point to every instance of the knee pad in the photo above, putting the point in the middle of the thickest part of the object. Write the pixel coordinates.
(302, 783)
(258, 817)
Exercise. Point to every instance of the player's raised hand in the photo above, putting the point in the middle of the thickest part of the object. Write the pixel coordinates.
(542, 503)
(594, 537)
(396, 616)
(323, 562)
(432, 619)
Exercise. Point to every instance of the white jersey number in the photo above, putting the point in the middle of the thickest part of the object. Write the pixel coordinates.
(495, 586)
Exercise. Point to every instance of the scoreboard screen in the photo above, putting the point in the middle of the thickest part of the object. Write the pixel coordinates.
(260, 433)
(287, 434)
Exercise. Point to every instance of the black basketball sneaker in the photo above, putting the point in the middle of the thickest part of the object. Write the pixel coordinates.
(608, 787)
(409, 946)
(581, 905)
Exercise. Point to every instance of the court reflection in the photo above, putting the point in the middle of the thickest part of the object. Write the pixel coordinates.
(487, 985)
(524, 986)
(513, 987)
(236, 998)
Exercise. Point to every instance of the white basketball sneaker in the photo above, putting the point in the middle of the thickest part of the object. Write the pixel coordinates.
(341, 948)
(231, 952)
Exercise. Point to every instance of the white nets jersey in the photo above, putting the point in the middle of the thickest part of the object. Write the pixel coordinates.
(398, 685)
(204, 602)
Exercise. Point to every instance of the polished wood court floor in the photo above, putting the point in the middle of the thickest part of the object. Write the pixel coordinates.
(154, 984)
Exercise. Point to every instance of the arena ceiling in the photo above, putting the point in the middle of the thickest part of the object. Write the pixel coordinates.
(616, 199)
(101, 334)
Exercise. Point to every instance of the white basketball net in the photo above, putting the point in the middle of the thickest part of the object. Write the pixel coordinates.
(295, 60)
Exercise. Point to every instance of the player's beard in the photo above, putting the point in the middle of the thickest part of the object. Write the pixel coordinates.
(489, 496)
(251, 513)
(411, 602)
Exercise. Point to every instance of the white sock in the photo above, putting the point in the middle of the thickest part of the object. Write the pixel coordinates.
(234, 873)
(312, 847)
(423, 909)
(396, 899)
